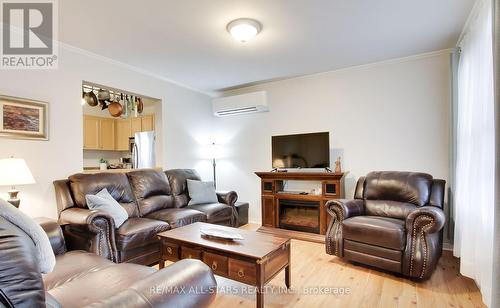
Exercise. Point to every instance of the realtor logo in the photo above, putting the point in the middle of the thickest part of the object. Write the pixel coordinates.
(28, 34)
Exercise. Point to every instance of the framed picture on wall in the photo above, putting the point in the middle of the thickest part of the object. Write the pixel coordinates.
(23, 118)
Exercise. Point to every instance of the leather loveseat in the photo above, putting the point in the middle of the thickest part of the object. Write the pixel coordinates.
(394, 223)
(155, 201)
(82, 279)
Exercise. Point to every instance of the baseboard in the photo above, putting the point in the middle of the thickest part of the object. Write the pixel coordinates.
(448, 246)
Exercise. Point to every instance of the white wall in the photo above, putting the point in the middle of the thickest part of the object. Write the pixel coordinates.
(386, 116)
(186, 116)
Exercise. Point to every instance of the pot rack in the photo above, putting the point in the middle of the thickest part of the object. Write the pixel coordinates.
(112, 92)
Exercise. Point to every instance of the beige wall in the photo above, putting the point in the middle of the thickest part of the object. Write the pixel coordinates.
(387, 116)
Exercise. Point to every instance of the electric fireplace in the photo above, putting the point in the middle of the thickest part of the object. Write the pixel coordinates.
(299, 215)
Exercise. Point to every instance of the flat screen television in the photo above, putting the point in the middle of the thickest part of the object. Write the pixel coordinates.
(301, 151)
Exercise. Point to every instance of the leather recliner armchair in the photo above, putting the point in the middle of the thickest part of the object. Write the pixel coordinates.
(82, 279)
(394, 222)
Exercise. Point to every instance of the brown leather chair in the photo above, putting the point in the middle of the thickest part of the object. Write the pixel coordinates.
(82, 279)
(155, 201)
(394, 223)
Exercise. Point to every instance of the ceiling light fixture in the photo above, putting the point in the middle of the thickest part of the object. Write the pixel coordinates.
(244, 29)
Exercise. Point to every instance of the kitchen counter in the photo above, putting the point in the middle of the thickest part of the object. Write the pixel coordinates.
(92, 170)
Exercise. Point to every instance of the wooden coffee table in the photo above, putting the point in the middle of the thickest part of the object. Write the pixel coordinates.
(255, 260)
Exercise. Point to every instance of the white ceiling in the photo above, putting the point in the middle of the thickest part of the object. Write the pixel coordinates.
(186, 40)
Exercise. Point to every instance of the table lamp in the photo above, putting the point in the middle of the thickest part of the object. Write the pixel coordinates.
(14, 171)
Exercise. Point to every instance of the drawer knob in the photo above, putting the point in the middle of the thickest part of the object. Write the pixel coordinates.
(214, 265)
(241, 273)
(169, 250)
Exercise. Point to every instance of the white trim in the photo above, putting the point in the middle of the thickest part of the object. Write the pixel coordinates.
(251, 84)
(129, 67)
(448, 246)
(349, 68)
(472, 13)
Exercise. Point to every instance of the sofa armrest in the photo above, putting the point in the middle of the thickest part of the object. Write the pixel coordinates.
(342, 208)
(186, 283)
(339, 210)
(55, 234)
(423, 247)
(227, 197)
(80, 216)
(90, 230)
(427, 219)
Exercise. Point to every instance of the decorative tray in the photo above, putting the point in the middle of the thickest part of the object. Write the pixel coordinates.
(221, 234)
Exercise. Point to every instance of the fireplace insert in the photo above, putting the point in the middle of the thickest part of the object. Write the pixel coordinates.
(299, 215)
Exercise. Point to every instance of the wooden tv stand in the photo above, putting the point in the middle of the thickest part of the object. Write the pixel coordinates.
(272, 184)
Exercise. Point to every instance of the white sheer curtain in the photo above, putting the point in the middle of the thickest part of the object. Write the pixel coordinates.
(475, 164)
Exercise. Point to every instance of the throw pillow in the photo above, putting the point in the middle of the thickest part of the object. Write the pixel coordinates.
(103, 201)
(45, 254)
(201, 192)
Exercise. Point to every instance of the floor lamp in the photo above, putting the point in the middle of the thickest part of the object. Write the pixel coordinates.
(214, 165)
(215, 154)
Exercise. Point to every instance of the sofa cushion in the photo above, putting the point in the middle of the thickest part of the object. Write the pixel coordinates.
(19, 267)
(409, 187)
(373, 230)
(178, 183)
(201, 192)
(388, 208)
(215, 211)
(103, 201)
(81, 278)
(151, 190)
(117, 185)
(43, 250)
(178, 217)
(137, 232)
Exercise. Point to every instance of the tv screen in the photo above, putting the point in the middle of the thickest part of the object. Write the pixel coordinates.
(301, 151)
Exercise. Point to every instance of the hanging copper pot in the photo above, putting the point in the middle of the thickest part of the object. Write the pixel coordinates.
(140, 105)
(115, 109)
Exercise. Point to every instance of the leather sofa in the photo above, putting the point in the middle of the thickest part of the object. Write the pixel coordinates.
(82, 279)
(394, 223)
(155, 201)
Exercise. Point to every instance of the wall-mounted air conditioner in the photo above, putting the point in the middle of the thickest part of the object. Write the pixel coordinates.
(240, 104)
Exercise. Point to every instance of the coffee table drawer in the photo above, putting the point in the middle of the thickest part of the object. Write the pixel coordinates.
(170, 252)
(190, 253)
(217, 263)
(242, 271)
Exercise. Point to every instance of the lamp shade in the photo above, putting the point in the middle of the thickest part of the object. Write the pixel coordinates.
(15, 171)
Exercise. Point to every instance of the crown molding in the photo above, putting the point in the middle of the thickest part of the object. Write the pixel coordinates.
(345, 69)
(473, 13)
(128, 67)
(251, 84)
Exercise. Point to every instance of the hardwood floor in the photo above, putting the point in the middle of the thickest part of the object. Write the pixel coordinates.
(362, 286)
(367, 287)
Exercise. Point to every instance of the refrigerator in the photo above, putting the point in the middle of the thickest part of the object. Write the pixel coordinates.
(142, 146)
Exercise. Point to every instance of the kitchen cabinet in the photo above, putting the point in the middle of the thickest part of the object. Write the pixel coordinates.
(123, 132)
(109, 134)
(98, 133)
(91, 133)
(136, 126)
(148, 123)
